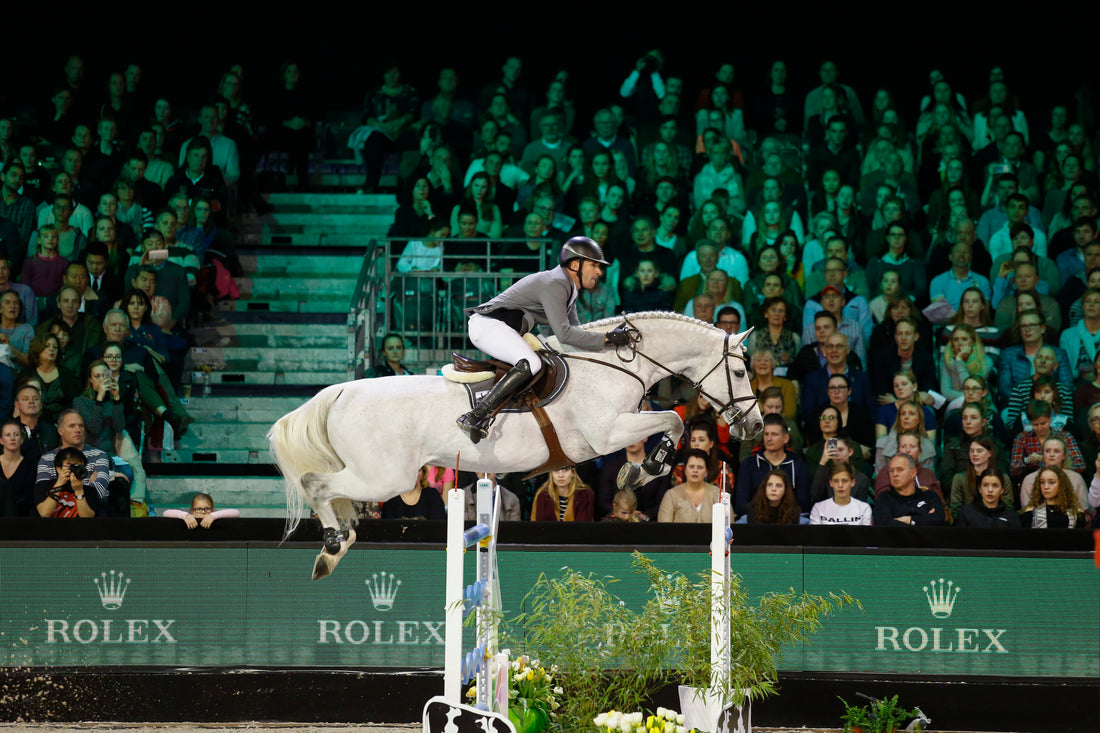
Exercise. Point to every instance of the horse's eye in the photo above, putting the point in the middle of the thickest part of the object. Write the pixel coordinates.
(739, 373)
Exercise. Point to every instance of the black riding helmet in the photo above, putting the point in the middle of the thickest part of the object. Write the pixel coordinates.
(581, 248)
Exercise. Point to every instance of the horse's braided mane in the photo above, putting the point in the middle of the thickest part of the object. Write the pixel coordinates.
(647, 315)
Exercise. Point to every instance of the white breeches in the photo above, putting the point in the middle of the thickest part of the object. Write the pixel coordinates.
(496, 339)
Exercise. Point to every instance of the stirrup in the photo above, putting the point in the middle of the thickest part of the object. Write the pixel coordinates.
(475, 431)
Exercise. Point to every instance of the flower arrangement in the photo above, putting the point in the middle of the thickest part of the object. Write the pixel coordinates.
(533, 698)
(664, 721)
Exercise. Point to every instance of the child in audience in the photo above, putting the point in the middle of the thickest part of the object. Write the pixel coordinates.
(841, 508)
(202, 512)
(624, 508)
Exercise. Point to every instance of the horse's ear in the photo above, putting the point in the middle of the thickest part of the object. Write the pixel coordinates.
(739, 339)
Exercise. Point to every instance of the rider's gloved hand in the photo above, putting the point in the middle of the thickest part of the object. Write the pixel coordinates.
(619, 337)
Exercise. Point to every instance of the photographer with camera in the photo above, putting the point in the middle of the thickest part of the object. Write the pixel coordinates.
(70, 494)
(57, 482)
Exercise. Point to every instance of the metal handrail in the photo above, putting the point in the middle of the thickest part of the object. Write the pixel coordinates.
(429, 313)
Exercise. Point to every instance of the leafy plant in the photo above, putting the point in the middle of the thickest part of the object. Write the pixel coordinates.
(612, 658)
(880, 716)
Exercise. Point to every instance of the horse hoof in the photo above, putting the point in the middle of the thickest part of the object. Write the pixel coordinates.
(323, 565)
(629, 476)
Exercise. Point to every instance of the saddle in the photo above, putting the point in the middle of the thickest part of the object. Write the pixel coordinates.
(478, 377)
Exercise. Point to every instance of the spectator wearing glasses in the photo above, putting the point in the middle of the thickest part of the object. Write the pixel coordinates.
(1016, 362)
(202, 512)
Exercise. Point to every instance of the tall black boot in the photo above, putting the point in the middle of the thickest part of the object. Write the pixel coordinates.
(476, 422)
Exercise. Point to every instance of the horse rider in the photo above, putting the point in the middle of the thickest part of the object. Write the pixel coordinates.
(547, 298)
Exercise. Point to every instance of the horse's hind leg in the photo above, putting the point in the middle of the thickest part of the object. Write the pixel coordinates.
(334, 512)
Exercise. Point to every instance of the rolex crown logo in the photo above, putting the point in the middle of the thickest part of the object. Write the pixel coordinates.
(941, 597)
(112, 589)
(383, 589)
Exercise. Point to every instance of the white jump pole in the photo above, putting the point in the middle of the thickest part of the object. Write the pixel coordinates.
(720, 536)
(485, 602)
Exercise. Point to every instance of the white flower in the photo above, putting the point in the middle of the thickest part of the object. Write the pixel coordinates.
(681, 729)
(678, 717)
(600, 719)
(558, 691)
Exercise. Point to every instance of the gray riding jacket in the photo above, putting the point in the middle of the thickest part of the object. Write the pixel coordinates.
(547, 298)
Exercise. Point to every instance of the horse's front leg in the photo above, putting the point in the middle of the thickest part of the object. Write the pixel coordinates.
(631, 427)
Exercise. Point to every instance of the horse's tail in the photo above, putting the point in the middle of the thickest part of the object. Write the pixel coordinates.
(299, 442)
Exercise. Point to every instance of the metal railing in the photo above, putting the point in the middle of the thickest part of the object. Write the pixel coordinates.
(427, 307)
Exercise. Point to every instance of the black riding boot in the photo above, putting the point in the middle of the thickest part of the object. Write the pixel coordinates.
(476, 422)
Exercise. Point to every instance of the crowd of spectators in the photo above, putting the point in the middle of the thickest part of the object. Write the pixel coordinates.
(114, 244)
(923, 276)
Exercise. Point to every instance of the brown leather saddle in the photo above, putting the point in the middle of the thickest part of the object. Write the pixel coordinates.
(546, 387)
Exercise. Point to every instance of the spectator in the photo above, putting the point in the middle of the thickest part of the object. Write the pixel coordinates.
(772, 455)
(905, 355)
(841, 508)
(13, 332)
(606, 139)
(44, 272)
(624, 508)
(563, 498)
(510, 509)
(198, 177)
(85, 331)
(55, 476)
(29, 313)
(1027, 448)
(422, 501)
(202, 512)
(15, 207)
(965, 484)
(905, 502)
(171, 278)
(1017, 361)
(1016, 212)
(17, 473)
(905, 390)
(225, 154)
(952, 284)
(771, 403)
(692, 501)
(39, 432)
(831, 450)
(988, 510)
(1055, 454)
(899, 257)
(911, 442)
(963, 357)
(763, 365)
(59, 384)
(68, 494)
(819, 386)
(774, 501)
(703, 435)
(647, 290)
(1054, 506)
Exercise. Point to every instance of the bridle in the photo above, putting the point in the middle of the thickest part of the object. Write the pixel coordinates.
(736, 413)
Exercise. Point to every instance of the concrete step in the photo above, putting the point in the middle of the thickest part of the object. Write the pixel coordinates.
(241, 409)
(292, 304)
(279, 285)
(302, 263)
(217, 457)
(358, 237)
(275, 335)
(322, 201)
(315, 358)
(225, 436)
(253, 496)
(292, 377)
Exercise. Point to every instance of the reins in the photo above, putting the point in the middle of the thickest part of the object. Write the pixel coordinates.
(636, 337)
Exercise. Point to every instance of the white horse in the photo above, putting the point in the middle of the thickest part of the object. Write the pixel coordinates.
(365, 440)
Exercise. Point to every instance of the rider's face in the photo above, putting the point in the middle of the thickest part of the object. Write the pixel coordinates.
(590, 274)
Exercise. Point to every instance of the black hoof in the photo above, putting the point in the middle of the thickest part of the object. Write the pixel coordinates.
(332, 539)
